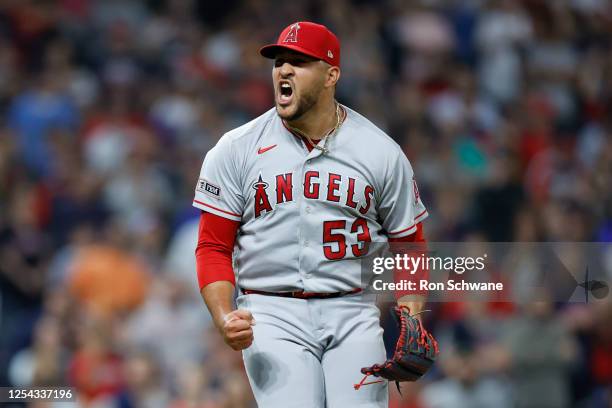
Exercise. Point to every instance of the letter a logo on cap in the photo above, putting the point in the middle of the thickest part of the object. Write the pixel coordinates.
(292, 34)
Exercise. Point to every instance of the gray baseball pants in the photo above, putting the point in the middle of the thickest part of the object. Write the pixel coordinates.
(309, 353)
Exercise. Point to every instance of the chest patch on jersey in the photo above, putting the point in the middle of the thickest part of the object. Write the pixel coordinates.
(206, 187)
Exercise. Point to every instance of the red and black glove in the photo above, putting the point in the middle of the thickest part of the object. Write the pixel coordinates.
(415, 352)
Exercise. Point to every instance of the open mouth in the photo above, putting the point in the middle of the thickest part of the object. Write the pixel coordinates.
(285, 93)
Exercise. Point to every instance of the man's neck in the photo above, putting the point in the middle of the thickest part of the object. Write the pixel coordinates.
(318, 121)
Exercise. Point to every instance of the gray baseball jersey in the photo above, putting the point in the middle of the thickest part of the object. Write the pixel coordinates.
(306, 217)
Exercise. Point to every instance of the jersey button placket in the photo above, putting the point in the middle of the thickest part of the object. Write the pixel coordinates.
(305, 247)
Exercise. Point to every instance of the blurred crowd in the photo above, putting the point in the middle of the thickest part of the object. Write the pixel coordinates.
(107, 109)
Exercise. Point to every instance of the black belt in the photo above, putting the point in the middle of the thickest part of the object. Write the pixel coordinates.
(300, 294)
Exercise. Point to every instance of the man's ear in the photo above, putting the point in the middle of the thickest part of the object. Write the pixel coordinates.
(333, 76)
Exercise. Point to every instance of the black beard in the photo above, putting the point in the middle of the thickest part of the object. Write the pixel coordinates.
(304, 104)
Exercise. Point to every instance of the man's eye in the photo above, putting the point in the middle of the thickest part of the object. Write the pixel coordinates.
(295, 63)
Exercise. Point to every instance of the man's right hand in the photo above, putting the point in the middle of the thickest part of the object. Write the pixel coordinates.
(234, 325)
(236, 329)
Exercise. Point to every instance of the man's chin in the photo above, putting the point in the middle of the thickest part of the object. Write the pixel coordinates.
(286, 112)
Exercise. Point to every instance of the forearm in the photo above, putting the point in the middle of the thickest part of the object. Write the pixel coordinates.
(218, 297)
(414, 300)
(216, 238)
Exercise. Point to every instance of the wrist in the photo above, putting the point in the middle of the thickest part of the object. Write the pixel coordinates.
(414, 302)
(221, 318)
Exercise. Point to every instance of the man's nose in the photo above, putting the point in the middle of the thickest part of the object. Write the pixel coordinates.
(286, 69)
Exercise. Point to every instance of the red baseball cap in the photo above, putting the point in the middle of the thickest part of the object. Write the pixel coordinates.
(308, 38)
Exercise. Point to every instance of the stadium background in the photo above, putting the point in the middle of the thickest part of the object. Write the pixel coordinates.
(108, 107)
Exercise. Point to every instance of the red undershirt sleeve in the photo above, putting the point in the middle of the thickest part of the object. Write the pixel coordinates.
(216, 238)
(422, 273)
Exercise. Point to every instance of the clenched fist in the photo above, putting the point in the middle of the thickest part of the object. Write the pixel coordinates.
(236, 329)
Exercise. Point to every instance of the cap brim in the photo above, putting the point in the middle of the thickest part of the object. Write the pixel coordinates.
(270, 50)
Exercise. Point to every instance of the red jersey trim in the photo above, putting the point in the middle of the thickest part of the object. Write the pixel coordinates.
(416, 221)
(215, 208)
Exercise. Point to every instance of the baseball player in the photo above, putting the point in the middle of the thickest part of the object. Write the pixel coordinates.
(289, 204)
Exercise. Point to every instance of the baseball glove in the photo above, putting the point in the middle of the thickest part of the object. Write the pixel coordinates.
(415, 352)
